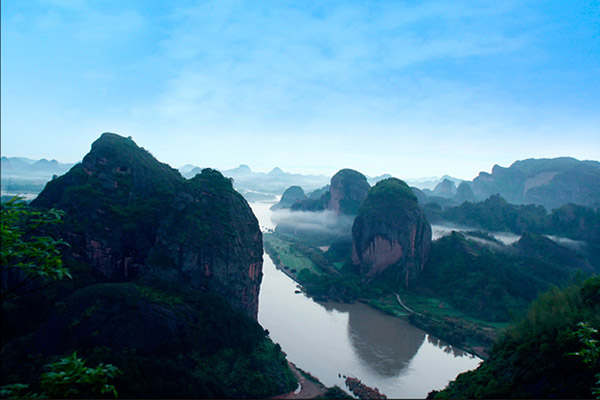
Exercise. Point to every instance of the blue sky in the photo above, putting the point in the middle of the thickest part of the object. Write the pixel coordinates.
(403, 87)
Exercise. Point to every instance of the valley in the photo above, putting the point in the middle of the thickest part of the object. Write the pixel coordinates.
(350, 281)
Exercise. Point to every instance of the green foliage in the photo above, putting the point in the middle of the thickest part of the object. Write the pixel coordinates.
(155, 295)
(576, 222)
(69, 377)
(18, 391)
(335, 392)
(590, 353)
(26, 253)
(163, 338)
(230, 373)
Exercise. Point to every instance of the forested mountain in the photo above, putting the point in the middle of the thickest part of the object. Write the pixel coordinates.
(166, 274)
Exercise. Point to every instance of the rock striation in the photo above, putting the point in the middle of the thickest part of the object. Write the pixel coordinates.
(129, 216)
(390, 233)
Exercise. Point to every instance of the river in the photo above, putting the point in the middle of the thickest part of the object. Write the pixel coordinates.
(333, 339)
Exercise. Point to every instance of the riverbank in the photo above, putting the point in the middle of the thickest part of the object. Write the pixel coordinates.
(310, 387)
(307, 388)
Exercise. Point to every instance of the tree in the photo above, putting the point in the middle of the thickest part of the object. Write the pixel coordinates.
(26, 254)
(590, 353)
(68, 378)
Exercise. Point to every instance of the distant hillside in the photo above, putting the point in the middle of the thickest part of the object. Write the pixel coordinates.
(431, 182)
(27, 177)
(549, 182)
(489, 281)
(25, 167)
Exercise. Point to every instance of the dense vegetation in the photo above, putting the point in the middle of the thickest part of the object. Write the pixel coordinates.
(167, 342)
(570, 221)
(540, 356)
(491, 284)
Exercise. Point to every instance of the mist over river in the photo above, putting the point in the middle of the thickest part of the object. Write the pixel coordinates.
(328, 339)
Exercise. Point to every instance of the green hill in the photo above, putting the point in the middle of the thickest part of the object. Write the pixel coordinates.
(535, 357)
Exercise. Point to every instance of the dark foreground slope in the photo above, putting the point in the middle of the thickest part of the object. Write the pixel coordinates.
(166, 274)
(535, 358)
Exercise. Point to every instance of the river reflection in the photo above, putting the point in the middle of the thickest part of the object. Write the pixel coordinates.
(329, 339)
(385, 345)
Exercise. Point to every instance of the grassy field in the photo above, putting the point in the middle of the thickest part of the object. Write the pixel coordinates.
(288, 256)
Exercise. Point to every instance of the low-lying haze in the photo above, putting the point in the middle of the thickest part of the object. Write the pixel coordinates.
(326, 221)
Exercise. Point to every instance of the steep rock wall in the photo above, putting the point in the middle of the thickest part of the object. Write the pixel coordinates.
(390, 233)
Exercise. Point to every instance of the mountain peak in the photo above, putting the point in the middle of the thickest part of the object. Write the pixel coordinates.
(276, 171)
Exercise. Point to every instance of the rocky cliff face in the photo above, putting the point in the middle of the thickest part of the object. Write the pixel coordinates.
(348, 190)
(390, 233)
(129, 215)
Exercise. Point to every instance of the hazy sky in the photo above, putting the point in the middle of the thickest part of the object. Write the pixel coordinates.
(406, 87)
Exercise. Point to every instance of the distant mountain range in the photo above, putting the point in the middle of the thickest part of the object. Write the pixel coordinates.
(253, 184)
(21, 166)
(548, 182)
(26, 177)
(277, 181)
